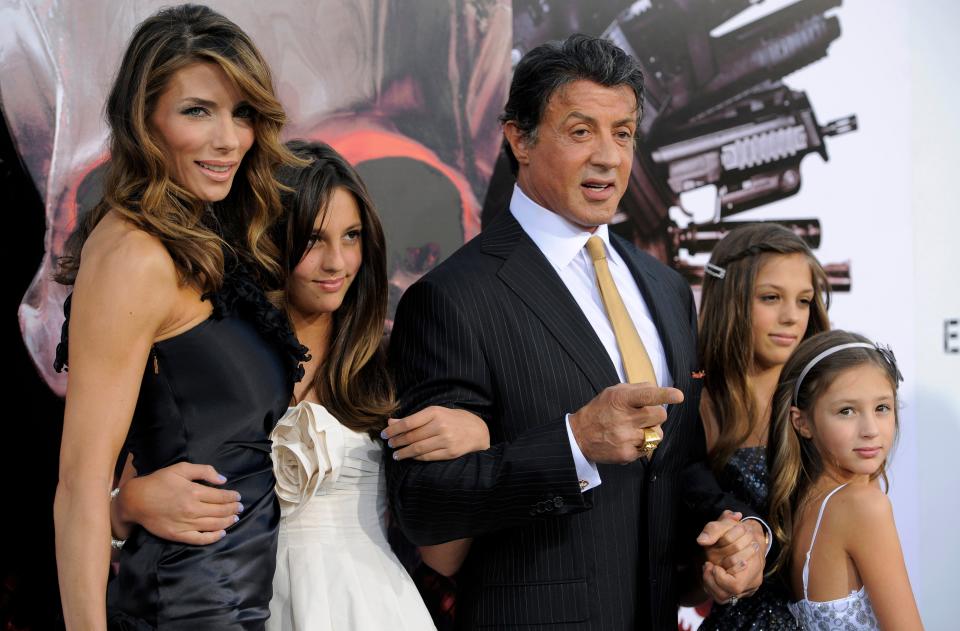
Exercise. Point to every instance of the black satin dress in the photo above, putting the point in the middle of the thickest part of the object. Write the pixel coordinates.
(210, 395)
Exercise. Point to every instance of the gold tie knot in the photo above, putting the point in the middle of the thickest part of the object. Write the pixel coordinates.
(595, 248)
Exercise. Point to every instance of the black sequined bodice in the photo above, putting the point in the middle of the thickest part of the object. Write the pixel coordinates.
(745, 475)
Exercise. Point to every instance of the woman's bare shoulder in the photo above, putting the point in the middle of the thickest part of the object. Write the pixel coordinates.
(117, 248)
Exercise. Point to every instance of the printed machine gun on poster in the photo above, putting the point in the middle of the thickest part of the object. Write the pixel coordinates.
(752, 160)
(717, 113)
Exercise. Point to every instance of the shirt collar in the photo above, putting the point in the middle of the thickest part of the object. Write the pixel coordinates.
(558, 239)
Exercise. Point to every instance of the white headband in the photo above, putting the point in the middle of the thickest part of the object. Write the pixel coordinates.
(830, 351)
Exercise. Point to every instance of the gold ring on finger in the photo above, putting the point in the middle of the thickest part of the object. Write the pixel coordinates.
(651, 440)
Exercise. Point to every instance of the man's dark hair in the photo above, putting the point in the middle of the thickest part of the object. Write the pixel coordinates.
(550, 66)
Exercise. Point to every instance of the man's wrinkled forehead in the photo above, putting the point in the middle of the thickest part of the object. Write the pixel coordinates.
(559, 98)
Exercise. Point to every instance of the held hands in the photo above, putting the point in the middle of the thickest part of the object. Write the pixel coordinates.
(436, 433)
(735, 552)
(171, 505)
(609, 429)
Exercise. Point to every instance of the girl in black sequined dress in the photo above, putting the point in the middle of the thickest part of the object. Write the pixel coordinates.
(763, 293)
(174, 352)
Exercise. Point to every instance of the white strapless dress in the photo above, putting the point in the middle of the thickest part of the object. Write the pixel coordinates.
(335, 569)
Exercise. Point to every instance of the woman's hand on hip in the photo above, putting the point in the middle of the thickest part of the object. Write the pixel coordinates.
(171, 504)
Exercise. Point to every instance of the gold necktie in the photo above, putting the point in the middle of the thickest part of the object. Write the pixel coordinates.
(636, 362)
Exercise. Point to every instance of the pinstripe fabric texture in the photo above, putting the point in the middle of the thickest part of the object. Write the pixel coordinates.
(494, 330)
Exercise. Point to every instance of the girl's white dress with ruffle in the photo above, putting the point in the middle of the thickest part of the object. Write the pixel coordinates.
(335, 569)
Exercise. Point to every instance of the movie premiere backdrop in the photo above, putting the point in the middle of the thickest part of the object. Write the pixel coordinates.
(834, 119)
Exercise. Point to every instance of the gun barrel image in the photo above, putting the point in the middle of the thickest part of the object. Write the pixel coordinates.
(684, 80)
(771, 129)
(697, 238)
(752, 158)
(840, 126)
(839, 276)
(774, 46)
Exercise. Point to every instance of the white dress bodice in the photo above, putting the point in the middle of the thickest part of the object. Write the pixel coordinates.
(335, 569)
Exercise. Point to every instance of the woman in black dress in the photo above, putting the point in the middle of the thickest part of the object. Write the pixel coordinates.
(763, 293)
(174, 352)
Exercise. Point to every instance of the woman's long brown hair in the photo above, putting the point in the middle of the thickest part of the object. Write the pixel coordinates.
(793, 461)
(726, 334)
(138, 185)
(352, 382)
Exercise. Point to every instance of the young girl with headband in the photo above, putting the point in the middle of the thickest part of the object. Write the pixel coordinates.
(835, 422)
(764, 292)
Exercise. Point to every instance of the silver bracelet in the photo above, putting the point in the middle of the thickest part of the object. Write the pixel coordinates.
(115, 543)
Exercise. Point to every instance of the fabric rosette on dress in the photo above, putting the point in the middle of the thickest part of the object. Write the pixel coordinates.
(308, 449)
(333, 558)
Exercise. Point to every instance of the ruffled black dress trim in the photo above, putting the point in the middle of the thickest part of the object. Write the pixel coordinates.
(60, 357)
(239, 294)
(119, 621)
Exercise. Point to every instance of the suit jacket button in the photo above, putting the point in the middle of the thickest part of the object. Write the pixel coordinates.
(654, 477)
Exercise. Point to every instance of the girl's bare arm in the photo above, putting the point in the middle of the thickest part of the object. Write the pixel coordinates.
(871, 540)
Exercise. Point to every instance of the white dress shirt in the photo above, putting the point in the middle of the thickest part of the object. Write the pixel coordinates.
(563, 245)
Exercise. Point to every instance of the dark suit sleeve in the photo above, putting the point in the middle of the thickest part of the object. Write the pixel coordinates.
(437, 359)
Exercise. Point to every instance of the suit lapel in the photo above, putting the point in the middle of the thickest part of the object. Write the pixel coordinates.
(530, 276)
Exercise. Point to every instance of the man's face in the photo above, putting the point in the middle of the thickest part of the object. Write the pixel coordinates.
(579, 162)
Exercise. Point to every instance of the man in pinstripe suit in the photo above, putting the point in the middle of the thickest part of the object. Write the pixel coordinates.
(572, 528)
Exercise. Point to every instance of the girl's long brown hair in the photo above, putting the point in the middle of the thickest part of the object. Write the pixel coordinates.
(138, 185)
(726, 335)
(352, 382)
(793, 461)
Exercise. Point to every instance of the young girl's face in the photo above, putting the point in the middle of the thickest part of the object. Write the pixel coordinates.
(782, 293)
(854, 422)
(321, 279)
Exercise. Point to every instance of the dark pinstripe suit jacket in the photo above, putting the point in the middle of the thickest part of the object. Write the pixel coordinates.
(494, 330)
